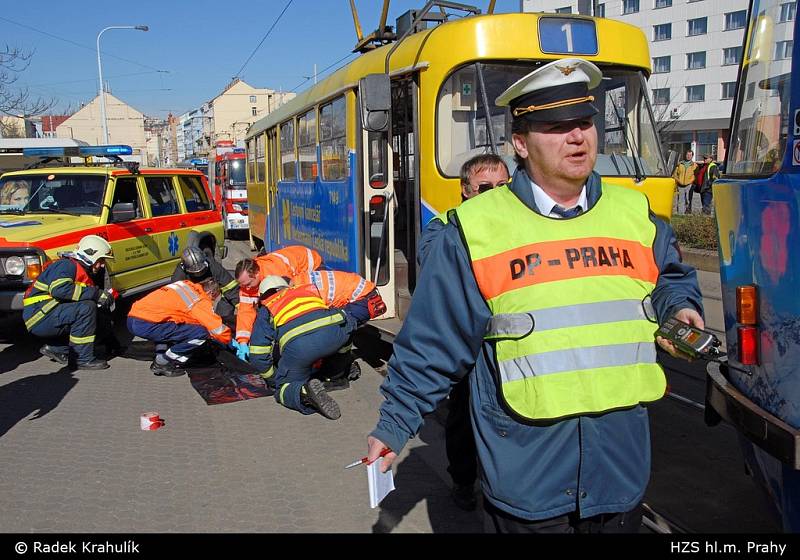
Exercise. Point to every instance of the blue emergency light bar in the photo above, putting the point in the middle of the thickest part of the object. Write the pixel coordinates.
(238, 150)
(79, 151)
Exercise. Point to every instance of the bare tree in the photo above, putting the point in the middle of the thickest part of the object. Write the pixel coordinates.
(14, 101)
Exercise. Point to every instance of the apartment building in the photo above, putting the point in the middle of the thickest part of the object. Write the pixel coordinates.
(695, 49)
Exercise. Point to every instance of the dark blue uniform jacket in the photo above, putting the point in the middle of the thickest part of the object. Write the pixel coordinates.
(593, 464)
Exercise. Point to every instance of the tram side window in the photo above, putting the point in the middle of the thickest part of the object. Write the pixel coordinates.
(332, 140)
(288, 169)
(762, 115)
(251, 160)
(307, 145)
(260, 165)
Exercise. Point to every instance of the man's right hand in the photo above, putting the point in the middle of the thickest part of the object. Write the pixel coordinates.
(374, 448)
(243, 351)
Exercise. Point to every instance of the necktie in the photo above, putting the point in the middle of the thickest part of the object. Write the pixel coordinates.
(566, 212)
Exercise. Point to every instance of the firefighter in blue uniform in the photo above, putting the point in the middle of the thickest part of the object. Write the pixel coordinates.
(295, 327)
(64, 301)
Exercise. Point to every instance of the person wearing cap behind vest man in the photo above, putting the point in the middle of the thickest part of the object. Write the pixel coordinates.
(179, 318)
(359, 299)
(478, 175)
(542, 293)
(295, 325)
(196, 265)
(64, 300)
(288, 261)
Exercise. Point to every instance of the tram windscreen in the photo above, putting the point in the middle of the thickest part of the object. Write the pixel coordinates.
(627, 141)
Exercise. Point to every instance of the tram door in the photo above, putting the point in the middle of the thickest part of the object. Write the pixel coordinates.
(272, 190)
(406, 199)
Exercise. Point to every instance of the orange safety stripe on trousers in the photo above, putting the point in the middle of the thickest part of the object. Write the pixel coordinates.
(553, 261)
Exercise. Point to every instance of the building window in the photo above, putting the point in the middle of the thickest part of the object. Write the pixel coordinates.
(307, 145)
(751, 91)
(698, 26)
(601, 10)
(707, 143)
(252, 99)
(332, 140)
(662, 32)
(731, 55)
(663, 4)
(662, 64)
(564, 10)
(783, 49)
(735, 20)
(788, 11)
(695, 93)
(254, 110)
(661, 96)
(630, 6)
(696, 60)
(728, 90)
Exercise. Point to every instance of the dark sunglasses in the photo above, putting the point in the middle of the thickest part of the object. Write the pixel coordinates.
(483, 187)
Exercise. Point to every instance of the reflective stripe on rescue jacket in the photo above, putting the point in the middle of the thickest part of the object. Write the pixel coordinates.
(41, 291)
(570, 334)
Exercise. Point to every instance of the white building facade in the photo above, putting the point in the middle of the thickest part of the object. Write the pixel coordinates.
(695, 49)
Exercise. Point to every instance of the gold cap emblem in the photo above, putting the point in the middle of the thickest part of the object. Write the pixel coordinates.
(566, 70)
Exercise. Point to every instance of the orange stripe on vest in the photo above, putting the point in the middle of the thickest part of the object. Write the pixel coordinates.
(553, 261)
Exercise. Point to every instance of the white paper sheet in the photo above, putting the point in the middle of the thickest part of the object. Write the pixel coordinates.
(380, 484)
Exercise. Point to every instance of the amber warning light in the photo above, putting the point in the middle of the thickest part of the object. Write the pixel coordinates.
(747, 317)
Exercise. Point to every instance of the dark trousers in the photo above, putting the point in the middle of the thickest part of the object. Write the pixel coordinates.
(497, 521)
(78, 320)
(458, 437)
(297, 357)
(182, 339)
(705, 198)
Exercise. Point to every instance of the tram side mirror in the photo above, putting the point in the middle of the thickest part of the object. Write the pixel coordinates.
(376, 102)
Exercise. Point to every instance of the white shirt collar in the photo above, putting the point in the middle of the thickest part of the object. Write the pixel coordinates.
(545, 204)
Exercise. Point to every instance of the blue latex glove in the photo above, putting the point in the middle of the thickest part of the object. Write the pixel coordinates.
(233, 345)
(243, 351)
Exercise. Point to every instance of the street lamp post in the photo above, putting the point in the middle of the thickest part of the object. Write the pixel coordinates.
(102, 92)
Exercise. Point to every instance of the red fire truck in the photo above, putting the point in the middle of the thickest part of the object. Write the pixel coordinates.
(230, 188)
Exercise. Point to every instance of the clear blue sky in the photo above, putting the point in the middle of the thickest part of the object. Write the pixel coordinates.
(201, 44)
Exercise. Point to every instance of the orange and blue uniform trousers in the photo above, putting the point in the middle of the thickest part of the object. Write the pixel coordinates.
(289, 262)
(179, 318)
(293, 330)
(63, 302)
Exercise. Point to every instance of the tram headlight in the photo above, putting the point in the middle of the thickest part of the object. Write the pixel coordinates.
(15, 266)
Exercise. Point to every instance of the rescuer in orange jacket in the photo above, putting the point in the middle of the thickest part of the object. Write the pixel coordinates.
(179, 315)
(287, 262)
(297, 325)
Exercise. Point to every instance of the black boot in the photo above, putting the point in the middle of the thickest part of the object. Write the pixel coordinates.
(60, 357)
(94, 363)
(315, 396)
(169, 369)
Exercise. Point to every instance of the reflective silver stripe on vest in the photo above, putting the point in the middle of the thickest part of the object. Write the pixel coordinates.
(219, 330)
(592, 357)
(186, 293)
(310, 257)
(316, 279)
(248, 299)
(518, 325)
(360, 288)
(243, 334)
(331, 286)
(285, 261)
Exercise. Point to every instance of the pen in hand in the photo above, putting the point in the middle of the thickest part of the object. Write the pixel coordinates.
(385, 451)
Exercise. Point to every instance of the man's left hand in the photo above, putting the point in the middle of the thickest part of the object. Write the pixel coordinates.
(687, 315)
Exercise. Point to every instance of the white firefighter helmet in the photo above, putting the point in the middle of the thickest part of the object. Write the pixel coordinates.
(271, 283)
(92, 248)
